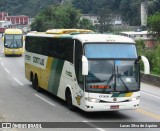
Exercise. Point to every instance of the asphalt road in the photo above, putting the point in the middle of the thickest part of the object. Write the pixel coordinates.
(19, 102)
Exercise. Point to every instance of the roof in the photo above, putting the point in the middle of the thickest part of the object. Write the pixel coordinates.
(135, 33)
(16, 16)
(13, 31)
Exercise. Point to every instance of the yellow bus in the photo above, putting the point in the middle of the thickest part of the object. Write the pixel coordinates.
(13, 42)
(94, 72)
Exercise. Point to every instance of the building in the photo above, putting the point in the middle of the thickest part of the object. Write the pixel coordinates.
(19, 20)
(141, 35)
(116, 19)
(92, 18)
(5, 24)
(3, 16)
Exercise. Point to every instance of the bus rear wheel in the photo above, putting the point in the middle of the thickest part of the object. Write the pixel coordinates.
(69, 100)
(35, 84)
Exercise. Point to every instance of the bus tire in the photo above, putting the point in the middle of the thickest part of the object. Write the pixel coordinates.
(32, 80)
(69, 100)
(36, 84)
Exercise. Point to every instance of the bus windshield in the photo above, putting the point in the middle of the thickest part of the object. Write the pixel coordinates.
(13, 41)
(112, 74)
(110, 51)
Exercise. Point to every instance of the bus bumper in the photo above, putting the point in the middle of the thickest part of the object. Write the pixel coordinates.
(95, 107)
(13, 51)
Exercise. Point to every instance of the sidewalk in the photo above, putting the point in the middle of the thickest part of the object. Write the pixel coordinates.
(155, 90)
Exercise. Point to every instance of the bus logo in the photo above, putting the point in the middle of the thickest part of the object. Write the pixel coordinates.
(114, 99)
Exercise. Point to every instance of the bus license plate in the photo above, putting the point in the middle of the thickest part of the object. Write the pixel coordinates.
(114, 107)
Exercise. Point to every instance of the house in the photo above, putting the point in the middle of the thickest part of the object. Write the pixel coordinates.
(21, 19)
(141, 35)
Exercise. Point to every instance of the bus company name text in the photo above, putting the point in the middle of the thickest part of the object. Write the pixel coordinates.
(36, 60)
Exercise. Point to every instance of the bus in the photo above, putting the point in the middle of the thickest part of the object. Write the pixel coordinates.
(94, 72)
(13, 42)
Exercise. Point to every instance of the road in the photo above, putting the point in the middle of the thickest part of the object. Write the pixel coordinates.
(19, 102)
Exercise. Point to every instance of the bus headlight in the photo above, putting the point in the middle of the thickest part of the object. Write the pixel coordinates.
(92, 99)
(135, 98)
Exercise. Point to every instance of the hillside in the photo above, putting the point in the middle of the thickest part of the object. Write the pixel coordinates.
(25, 7)
(129, 9)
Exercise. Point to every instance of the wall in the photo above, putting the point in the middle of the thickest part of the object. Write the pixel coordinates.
(151, 79)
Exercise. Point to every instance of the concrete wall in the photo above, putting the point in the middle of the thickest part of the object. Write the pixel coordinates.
(151, 79)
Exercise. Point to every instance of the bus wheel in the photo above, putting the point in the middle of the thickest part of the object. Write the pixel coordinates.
(36, 86)
(69, 100)
(32, 80)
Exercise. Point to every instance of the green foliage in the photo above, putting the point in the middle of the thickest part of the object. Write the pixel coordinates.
(61, 16)
(129, 9)
(25, 7)
(86, 24)
(154, 24)
(153, 56)
(104, 19)
(153, 6)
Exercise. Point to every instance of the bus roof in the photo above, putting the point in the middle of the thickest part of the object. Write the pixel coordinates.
(88, 37)
(82, 35)
(103, 38)
(13, 31)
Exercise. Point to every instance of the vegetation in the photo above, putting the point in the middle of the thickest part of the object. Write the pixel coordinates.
(153, 56)
(53, 14)
(25, 7)
(56, 17)
(60, 16)
(129, 9)
(154, 25)
(104, 19)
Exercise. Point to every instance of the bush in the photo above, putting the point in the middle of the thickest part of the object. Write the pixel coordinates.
(153, 55)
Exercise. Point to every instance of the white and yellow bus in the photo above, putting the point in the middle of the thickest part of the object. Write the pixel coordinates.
(13, 42)
(94, 72)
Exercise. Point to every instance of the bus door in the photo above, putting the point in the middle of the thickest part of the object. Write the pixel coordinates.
(79, 78)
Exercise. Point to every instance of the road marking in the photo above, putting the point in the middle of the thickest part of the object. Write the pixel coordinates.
(150, 94)
(45, 100)
(18, 81)
(148, 113)
(100, 129)
(2, 63)
(7, 70)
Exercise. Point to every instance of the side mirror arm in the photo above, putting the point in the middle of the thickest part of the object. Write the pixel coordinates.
(146, 64)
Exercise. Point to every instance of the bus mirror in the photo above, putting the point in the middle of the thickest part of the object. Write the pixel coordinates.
(146, 65)
(3, 38)
(84, 66)
(23, 38)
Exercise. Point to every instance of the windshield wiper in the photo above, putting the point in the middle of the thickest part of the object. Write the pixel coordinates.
(120, 77)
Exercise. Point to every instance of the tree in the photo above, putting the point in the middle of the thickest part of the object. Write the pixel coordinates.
(154, 25)
(105, 20)
(61, 16)
(86, 24)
